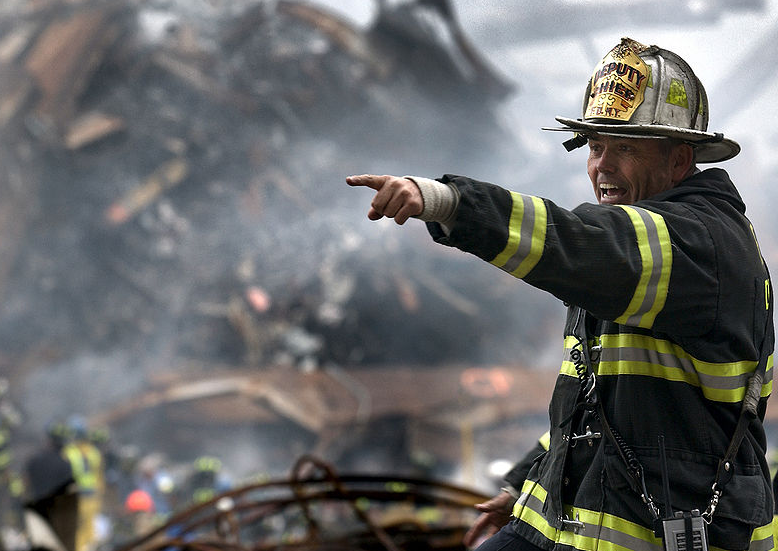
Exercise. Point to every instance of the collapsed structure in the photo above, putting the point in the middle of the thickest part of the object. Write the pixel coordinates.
(174, 207)
(174, 228)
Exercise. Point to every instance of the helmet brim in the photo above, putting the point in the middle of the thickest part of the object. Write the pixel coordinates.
(709, 147)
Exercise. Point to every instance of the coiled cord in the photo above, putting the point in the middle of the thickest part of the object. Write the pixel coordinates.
(586, 379)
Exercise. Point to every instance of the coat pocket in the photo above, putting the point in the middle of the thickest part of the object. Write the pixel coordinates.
(745, 504)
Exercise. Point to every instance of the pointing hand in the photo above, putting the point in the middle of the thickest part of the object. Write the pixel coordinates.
(395, 197)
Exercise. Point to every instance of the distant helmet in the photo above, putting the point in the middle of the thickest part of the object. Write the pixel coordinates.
(139, 501)
(640, 91)
(58, 432)
(99, 435)
(77, 426)
(207, 464)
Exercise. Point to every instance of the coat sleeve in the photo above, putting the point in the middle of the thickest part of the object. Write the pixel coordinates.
(518, 473)
(618, 262)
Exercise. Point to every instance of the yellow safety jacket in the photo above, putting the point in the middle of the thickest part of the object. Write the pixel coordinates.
(678, 306)
(87, 463)
(5, 448)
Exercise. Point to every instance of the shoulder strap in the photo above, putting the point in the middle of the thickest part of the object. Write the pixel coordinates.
(748, 412)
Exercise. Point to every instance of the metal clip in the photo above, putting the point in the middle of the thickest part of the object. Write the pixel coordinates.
(594, 353)
(590, 389)
(570, 524)
(588, 435)
(707, 516)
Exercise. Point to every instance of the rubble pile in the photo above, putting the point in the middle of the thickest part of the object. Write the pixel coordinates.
(173, 177)
(181, 261)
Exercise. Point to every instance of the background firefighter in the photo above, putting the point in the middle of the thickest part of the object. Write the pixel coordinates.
(52, 495)
(87, 464)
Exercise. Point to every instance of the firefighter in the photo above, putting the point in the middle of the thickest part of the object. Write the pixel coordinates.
(87, 464)
(100, 437)
(11, 486)
(52, 495)
(207, 480)
(659, 405)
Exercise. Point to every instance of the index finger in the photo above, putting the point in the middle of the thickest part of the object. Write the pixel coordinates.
(368, 180)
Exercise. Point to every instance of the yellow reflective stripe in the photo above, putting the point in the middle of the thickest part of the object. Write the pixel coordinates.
(657, 259)
(758, 248)
(629, 354)
(762, 539)
(84, 463)
(608, 532)
(767, 385)
(527, 508)
(536, 520)
(201, 495)
(545, 440)
(534, 489)
(601, 531)
(526, 235)
(766, 281)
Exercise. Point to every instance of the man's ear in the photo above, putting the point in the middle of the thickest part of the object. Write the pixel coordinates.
(683, 160)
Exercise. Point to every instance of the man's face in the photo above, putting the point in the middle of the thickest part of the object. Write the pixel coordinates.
(625, 170)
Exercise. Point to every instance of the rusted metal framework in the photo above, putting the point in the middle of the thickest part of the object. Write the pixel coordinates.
(319, 509)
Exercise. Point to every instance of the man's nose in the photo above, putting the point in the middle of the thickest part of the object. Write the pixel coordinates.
(606, 162)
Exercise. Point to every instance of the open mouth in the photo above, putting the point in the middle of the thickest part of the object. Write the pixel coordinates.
(611, 192)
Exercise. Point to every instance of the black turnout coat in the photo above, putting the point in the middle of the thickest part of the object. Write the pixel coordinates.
(673, 300)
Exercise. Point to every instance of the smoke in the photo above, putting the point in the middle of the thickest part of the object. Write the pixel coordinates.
(238, 129)
(84, 383)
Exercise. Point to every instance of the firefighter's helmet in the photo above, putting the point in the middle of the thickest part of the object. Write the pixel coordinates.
(58, 432)
(139, 501)
(640, 91)
(78, 427)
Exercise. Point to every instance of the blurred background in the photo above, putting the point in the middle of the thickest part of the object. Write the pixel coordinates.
(185, 274)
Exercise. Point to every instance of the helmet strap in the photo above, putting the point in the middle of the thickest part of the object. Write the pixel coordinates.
(578, 140)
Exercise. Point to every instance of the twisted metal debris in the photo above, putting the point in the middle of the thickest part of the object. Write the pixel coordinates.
(319, 509)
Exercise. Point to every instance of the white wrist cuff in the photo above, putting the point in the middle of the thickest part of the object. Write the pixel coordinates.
(440, 200)
(510, 490)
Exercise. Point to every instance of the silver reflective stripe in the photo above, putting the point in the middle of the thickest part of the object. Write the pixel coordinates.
(762, 545)
(625, 540)
(530, 501)
(587, 532)
(651, 288)
(629, 354)
(634, 354)
(526, 236)
(527, 229)
(670, 361)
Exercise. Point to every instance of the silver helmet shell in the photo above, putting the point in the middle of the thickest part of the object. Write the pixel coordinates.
(640, 91)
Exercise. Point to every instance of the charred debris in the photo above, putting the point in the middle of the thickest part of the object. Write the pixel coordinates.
(318, 508)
